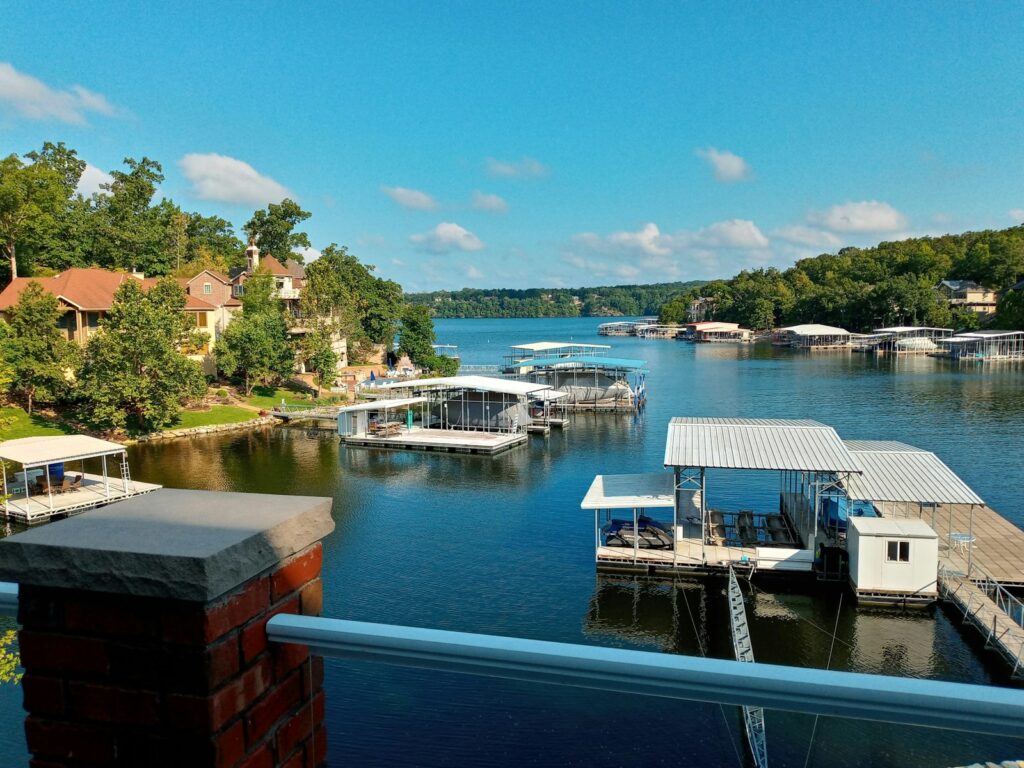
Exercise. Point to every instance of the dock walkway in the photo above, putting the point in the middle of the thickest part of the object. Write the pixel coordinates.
(998, 544)
(989, 616)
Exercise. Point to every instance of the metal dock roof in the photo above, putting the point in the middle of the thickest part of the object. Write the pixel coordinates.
(899, 472)
(779, 444)
(480, 383)
(579, 361)
(647, 490)
(547, 346)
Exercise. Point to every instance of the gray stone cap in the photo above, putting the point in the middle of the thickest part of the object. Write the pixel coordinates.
(185, 545)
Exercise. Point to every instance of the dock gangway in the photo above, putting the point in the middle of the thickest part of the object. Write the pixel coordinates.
(990, 608)
(753, 717)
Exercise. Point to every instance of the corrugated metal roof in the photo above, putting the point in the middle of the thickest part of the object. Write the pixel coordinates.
(910, 528)
(813, 329)
(380, 405)
(902, 473)
(795, 444)
(480, 383)
(547, 346)
(579, 361)
(50, 449)
(649, 490)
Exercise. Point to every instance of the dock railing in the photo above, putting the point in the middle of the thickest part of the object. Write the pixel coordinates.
(908, 701)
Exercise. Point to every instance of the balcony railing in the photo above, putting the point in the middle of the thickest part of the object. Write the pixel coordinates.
(909, 701)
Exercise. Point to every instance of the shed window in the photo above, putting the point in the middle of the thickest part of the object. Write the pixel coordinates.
(897, 551)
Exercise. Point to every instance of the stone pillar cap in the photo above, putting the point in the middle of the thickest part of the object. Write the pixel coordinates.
(184, 545)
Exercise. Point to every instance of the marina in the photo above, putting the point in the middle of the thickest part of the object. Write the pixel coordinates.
(545, 583)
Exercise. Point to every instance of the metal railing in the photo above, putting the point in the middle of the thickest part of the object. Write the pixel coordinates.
(909, 701)
(935, 703)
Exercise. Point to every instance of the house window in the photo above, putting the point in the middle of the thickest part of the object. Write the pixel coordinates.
(207, 288)
(238, 289)
(897, 551)
(200, 319)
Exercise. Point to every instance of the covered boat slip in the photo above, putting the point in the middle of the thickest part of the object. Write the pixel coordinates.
(984, 346)
(590, 382)
(904, 482)
(903, 340)
(49, 484)
(813, 337)
(459, 414)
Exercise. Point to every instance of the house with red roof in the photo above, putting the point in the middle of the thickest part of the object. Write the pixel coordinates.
(87, 293)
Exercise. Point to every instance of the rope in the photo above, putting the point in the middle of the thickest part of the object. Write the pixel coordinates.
(721, 708)
(828, 663)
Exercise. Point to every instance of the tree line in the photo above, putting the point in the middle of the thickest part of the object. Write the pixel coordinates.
(893, 283)
(606, 301)
(136, 373)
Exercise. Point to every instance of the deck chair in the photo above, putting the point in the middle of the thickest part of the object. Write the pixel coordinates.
(76, 484)
(65, 485)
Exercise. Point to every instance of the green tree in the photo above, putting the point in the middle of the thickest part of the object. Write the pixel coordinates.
(40, 358)
(1010, 312)
(127, 231)
(321, 359)
(31, 197)
(135, 375)
(256, 346)
(417, 334)
(274, 229)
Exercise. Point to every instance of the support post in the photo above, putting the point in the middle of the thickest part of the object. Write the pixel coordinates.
(125, 668)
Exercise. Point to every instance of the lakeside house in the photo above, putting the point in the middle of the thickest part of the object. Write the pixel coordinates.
(86, 295)
(967, 294)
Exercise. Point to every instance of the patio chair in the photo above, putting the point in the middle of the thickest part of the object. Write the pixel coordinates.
(76, 484)
(65, 485)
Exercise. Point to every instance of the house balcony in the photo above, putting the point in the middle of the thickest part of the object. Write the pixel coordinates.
(288, 294)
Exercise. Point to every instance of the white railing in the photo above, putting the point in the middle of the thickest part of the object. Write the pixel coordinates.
(909, 701)
(955, 706)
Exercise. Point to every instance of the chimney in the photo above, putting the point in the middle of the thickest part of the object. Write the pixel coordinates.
(252, 255)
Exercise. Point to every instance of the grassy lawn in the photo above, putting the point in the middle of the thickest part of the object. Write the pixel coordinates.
(218, 414)
(23, 425)
(268, 397)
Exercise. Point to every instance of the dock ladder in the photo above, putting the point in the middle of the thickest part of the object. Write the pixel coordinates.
(753, 717)
(126, 474)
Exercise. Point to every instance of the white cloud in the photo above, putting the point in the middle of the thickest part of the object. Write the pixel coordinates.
(809, 236)
(525, 166)
(223, 178)
(447, 237)
(728, 166)
(486, 202)
(1017, 214)
(412, 199)
(734, 233)
(473, 273)
(864, 216)
(33, 99)
(90, 180)
(308, 254)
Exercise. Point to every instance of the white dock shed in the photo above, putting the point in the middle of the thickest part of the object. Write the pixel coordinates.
(893, 560)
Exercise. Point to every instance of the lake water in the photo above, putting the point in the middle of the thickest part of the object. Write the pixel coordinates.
(499, 545)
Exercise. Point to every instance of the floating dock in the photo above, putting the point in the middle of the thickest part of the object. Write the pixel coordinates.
(441, 440)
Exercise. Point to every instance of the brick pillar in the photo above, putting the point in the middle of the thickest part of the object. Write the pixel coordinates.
(115, 677)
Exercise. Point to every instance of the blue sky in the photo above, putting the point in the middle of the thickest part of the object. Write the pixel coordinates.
(548, 144)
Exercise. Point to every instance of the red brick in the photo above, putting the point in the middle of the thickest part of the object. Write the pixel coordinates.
(254, 635)
(312, 598)
(300, 569)
(82, 743)
(40, 608)
(296, 760)
(316, 749)
(221, 661)
(43, 695)
(236, 609)
(104, 704)
(63, 653)
(264, 714)
(209, 713)
(263, 758)
(230, 746)
(302, 724)
(287, 656)
(113, 618)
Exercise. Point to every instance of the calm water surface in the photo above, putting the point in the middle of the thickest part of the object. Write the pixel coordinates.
(499, 545)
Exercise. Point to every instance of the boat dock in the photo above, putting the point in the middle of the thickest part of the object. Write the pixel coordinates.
(440, 440)
(53, 481)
